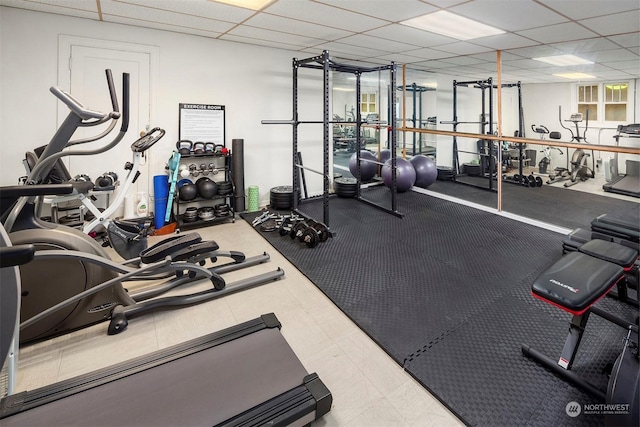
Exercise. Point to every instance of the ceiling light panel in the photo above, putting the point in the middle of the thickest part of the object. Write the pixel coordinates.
(246, 4)
(409, 35)
(575, 76)
(452, 25)
(563, 60)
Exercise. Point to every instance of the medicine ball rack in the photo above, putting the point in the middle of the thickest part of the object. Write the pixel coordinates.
(218, 213)
(325, 63)
(486, 147)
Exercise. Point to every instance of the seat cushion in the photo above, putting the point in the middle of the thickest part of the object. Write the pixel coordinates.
(610, 251)
(576, 281)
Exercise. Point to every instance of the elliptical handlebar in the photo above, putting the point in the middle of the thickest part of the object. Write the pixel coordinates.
(75, 106)
(42, 164)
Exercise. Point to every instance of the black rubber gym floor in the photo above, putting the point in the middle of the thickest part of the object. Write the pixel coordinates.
(446, 292)
(552, 204)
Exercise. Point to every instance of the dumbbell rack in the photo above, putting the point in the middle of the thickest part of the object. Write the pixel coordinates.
(222, 163)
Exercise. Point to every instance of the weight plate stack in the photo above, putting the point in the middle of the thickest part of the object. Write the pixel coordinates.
(205, 213)
(345, 187)
(445, 173)
(225, 188)
(221, 210)
(190, 215)
(472, 169)
(281, 197)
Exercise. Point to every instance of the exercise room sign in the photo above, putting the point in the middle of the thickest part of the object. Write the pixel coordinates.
(202, 123)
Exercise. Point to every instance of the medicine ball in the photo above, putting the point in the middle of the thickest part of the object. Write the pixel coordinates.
(188, 192)
(207, 188)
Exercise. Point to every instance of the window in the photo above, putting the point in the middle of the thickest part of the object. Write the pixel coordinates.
(368, 103)
(615, 102)
(606, 102)
(588, 101)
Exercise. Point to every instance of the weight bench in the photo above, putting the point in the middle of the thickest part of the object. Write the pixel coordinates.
(574, 284)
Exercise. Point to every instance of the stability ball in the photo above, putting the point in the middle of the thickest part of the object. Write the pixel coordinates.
(367, 169)
(405, 174)
(426, 170)
(384, 155)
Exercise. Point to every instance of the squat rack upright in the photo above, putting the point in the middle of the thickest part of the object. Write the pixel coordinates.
(487, 145)
(326, 64)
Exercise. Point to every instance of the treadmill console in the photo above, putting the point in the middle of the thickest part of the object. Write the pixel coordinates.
(632, 129)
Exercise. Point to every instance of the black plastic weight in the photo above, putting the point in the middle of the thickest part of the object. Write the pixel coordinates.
(538, 181)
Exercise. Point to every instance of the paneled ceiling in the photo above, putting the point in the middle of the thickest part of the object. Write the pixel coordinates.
(368, 32)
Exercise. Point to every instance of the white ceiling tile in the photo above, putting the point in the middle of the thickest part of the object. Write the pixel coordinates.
(401, 9)
(112, 10)
(77, 8)
(615, 75)
(491, 56)
(324, 15)
(294, 26)
(610, 55)
(203, 9)
(588, 45)
(427, 53)
(558, 33)
(626, 40)
(257, 42)
(618, 23)
(633, 66)
(360, 52)
(526, 64)
(465, 60)
(509, 15)
(377, 43)
(433, 65)
(504, 41)
(400, 58)
(590, 8)
(534, 51)
(160, 26)
(462, 48)
(409, 35)
(274, 36)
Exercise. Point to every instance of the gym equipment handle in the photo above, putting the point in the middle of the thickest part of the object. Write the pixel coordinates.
(75, 106)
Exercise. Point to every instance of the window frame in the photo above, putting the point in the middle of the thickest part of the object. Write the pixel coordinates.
(602, 102)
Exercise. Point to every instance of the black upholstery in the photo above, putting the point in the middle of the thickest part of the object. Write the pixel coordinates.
(609, 251)
(576, 281)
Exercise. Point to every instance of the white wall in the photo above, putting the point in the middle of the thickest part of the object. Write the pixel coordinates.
(254, 83)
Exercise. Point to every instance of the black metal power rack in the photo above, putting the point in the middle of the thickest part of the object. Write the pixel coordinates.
(326, 64)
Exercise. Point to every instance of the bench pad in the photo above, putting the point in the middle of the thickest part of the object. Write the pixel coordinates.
(576, 281)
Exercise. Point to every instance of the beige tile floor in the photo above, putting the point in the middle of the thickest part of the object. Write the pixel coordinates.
(368, 387)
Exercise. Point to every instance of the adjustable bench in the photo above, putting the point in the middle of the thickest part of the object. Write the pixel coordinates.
(574, 284)
(623, 256)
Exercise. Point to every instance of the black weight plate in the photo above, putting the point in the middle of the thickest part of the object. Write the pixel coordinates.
(310, 237)
(538, 181)
(323, 231)
(297, 230)
(532, 181)
(283, 189)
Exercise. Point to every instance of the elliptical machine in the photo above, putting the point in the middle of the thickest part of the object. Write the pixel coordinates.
(579, 171)
(72, 283)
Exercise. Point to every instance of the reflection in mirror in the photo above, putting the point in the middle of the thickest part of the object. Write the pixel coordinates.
(375, 111)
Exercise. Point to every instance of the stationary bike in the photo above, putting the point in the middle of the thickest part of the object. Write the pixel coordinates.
(72, 283)
(545, 163)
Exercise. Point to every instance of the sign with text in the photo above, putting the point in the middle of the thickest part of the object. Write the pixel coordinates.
(202, 123)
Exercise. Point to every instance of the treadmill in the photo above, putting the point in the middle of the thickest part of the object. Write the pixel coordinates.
(245, 375)
(628, 184)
